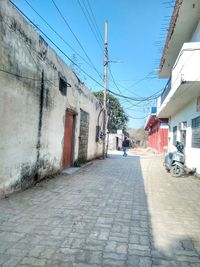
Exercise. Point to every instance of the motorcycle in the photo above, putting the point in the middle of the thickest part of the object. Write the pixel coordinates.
(174, 161)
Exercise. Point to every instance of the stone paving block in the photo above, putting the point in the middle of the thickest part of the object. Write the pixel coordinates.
(103, 235)
(11, 236)
(80, 264)
(12, 262)
(119, 239)
(144, 240)
(33, 261)
(78, 243)
(67, 242)
(92, 244)
(145, 262)
(187, 244)
(133, 260)
(52, 263)
(165, 263)
(58, 256)
(89, 257)
(48, 252)
(122, 248)
(113, 263)
(114, 256)
(111, 246)
(134, 239)
(190, 259)
(17, 252)
(5, 245)
(3, 258)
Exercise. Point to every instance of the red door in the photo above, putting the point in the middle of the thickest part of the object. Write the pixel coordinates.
(68, 140)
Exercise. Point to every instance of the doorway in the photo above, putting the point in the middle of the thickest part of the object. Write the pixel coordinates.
(68, 148)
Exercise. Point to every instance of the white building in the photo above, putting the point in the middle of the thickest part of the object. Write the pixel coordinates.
(180, 62)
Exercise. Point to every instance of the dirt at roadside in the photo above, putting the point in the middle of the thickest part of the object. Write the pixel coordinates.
(144, 152)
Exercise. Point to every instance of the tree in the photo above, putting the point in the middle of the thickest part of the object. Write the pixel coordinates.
(117, 119)
(138, 136)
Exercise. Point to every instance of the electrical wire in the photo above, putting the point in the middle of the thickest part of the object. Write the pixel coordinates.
(58, 34)
(119, 95)
(59, 49)
(154, 96)
(94, 19)
(89, 23)
(68, 26)
(31, 78)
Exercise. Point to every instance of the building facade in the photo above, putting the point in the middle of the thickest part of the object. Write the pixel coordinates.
(48, 117)
(180, 62)
(157, 132)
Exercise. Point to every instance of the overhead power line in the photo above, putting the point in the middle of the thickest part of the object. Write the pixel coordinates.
(154, 96)
(142, 99)
(48, 38)
(94, 19)
(58, 34)
(91, 25)
(68, 26)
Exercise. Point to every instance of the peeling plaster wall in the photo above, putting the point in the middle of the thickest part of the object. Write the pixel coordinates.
(32, 109)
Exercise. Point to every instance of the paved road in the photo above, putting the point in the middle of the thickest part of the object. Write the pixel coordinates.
(118, 212)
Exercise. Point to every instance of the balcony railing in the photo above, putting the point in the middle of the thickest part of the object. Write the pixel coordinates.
(166, 90)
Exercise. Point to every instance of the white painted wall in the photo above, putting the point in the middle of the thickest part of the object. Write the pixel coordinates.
(187, 114)
(196, 34)
(20, 109)
(185, 69)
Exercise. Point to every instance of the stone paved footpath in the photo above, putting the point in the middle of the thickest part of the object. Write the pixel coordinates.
(117, 212)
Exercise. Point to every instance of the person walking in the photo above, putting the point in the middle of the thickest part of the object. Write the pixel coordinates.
(125, 145)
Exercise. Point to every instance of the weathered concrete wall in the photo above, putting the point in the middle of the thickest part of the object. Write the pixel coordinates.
(32, 108)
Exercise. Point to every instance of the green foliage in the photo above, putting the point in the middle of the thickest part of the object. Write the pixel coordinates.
(117, 117)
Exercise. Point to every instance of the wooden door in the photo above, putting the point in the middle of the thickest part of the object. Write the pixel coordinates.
(68, 140)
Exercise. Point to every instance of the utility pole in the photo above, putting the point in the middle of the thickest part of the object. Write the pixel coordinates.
(105, 87)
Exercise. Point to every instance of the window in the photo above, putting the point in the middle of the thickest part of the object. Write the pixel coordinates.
(183, 127)
(196, 132)
(63, 86)
(174, 135)
(183, 137)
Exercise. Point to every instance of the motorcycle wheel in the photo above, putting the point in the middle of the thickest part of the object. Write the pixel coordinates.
(176, 171)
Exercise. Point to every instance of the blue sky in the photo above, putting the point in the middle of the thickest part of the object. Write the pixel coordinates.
(134, 27)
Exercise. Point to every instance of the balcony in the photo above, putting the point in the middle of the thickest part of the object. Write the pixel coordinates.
(184, 84)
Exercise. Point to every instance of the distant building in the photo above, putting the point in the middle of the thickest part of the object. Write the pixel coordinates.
(115, 140)
(157, 132)
(180, 63)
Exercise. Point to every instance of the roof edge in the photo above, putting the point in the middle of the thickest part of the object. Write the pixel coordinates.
(172, 25)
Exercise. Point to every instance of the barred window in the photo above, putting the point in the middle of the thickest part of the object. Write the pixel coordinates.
(63, 86)
(174, 135)
(196, 132)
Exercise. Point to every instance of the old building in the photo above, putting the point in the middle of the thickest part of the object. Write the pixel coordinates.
(48, 117)
(180, 63)
(115, 140)
(157, 131)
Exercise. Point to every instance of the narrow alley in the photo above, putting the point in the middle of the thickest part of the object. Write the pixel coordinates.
(117, 212)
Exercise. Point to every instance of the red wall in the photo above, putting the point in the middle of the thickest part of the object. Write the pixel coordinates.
(158, 138)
